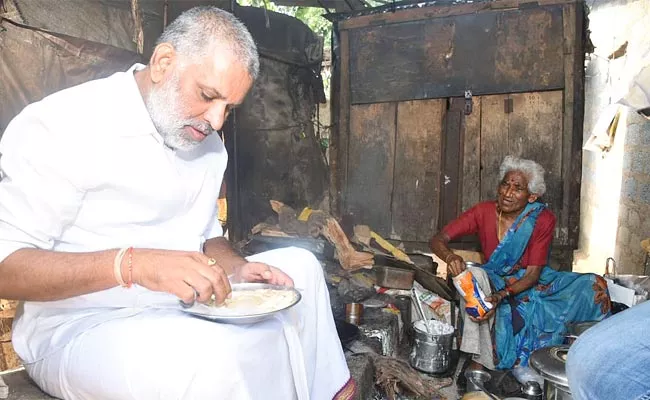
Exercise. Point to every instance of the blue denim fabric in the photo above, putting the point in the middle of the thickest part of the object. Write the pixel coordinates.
(611, 361)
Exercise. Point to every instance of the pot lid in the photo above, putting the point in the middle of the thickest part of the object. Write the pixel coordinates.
(550, 363)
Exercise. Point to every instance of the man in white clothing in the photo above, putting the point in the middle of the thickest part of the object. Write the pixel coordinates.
(108, 218)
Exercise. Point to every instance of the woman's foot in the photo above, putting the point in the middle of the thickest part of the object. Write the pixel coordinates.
(475, 366)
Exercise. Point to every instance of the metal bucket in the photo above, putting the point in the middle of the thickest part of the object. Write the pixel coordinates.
(431, 352)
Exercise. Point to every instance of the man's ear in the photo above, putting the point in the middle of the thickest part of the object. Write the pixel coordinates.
(533, 198)
(164, 55)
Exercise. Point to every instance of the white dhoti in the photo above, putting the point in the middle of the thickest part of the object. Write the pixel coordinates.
(477, 339)
(168, 354)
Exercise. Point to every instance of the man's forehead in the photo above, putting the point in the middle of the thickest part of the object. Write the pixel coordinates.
(225, 76)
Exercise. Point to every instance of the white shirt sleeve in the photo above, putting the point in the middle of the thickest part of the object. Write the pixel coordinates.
(39, 190)
(214, 228)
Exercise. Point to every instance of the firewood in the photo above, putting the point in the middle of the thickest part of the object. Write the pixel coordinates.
(288, 219)
(349, 258)
(396, 376)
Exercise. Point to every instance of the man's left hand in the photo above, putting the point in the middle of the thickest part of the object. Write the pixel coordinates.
(260, 272)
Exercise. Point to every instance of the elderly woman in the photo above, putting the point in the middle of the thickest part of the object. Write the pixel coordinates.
(532, 301)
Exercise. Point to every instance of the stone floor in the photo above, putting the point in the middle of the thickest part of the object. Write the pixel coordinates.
(21, 387)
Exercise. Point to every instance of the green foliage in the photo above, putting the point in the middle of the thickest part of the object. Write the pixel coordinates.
(311, 16)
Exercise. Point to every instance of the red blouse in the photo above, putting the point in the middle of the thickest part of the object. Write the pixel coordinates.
(482, 220)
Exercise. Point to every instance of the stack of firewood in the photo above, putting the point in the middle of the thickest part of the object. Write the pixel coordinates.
(8, 358)
(314, 223)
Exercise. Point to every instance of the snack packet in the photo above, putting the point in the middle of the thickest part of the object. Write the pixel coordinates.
(475, 303)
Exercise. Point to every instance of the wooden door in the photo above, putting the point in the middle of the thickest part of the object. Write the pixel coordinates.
(393, 179)
(528, 125)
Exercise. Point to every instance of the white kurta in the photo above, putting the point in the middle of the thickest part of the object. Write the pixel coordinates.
(84, 170)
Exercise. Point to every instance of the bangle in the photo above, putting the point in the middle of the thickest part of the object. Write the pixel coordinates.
(117, 267)
(510, 291)
(129, 282)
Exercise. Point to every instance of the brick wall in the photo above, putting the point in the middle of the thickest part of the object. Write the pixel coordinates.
(615, 185)
(634, 210)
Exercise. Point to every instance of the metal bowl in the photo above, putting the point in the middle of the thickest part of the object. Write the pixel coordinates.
(215, 314)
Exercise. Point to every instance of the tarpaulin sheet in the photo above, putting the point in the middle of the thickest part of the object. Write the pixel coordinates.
(35, 63)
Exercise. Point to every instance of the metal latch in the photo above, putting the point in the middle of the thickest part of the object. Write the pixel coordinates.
(468, 102)
(508, 106)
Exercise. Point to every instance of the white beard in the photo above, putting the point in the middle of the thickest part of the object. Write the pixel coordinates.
(163, 104)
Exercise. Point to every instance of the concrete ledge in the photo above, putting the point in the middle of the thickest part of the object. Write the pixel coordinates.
(21, 387)
(363, 372)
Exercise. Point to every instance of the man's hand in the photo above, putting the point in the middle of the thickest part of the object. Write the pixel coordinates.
(181, 273)
(260, 272)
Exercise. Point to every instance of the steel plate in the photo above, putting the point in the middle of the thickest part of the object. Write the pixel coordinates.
(214, 313)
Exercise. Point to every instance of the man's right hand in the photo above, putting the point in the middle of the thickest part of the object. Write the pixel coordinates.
(455, 265)
(180, 273)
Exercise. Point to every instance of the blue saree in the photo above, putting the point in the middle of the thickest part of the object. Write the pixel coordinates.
(557, 298)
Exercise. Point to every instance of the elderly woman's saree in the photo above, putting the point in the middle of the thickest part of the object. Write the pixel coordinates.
(536, 317)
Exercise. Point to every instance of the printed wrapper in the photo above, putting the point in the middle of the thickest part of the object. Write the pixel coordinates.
(475, 304)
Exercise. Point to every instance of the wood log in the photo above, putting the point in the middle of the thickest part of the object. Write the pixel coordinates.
(8, 357)
(5, 329)
(349, 258)
(288, 219)
(397, 377)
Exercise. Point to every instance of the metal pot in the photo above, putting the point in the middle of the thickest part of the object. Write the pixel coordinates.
(431, 352)
(550, 364)
(575, 329)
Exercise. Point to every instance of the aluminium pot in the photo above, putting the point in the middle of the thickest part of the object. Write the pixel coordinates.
(550, 364)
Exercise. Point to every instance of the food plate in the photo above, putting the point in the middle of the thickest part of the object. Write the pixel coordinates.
(247, 314)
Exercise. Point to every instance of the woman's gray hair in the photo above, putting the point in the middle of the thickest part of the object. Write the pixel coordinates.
(195, 31)
(533, 171)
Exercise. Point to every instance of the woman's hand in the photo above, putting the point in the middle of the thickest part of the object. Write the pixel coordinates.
(455, 264)
(486, 317)
(494, 299)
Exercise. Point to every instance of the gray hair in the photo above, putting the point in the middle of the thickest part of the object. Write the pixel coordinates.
(533, 171)
(195, 31)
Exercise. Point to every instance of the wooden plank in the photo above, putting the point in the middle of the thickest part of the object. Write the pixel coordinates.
(535, 133)
(572, 18)
(441, 11)
(417, 169)
(451, 162)
(529, 49)
(471, 137)
(371, 164)
(517, 51)
(343, 126)
(494, 143)
(389, 63)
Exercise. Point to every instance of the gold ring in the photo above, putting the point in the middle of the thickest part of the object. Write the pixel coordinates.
(212, 261)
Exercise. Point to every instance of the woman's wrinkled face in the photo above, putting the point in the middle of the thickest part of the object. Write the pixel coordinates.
(513, 193)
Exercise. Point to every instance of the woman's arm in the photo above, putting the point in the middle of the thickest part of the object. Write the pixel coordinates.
(530, 279)
(439, 246)
(466, 224)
